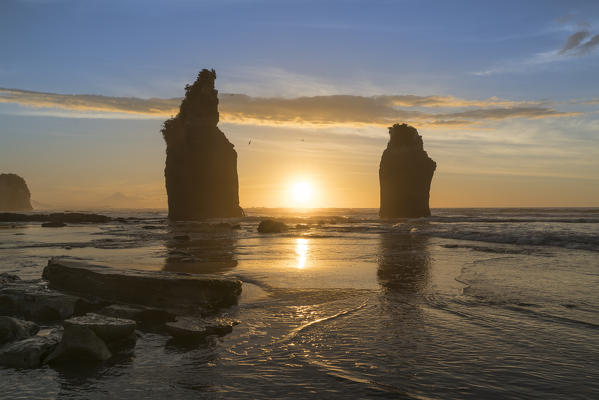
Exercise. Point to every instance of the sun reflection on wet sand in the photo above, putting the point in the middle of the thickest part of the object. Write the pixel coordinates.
(301, 249)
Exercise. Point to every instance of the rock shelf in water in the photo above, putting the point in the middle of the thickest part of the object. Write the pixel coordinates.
(149, 288)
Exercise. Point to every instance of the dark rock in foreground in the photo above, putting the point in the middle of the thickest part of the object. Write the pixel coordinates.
(14, 193)
(93, 337)
(201, 164)
(30, 353)
(271, 226)
(405, 174)
(12, 329)
(194, 328)
(151, 288)
(74, 218)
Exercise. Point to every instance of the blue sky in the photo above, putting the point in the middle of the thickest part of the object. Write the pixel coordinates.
(467, 50)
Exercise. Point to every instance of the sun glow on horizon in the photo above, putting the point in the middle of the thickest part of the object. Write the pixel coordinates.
(302, 194)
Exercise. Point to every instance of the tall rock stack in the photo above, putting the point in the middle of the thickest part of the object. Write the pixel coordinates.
(201, 164)
(14, 193)
(405, 175)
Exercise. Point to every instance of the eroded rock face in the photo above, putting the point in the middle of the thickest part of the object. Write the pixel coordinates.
(14, 193)
(405, 175)
(201, 164)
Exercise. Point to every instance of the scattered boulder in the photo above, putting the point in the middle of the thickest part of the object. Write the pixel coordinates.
(53, 224)
(149, 288)
(201, 164)
(93, 337)
(271, 226)
(80, 344)
(32, 352)
(14, 193)
(12, 329)
(405, 175)
(194, 328)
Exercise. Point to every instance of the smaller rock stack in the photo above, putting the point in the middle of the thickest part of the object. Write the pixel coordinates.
(405, 174)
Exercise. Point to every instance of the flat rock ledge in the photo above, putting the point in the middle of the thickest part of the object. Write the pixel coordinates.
(168, 290)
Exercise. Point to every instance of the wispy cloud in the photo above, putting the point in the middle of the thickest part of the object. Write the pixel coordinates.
(85, 102)
(575, 45)
(574, 40)
(441, 111)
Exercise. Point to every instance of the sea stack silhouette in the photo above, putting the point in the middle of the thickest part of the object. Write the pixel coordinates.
(201, 164)
(405, 175)
(14, 193)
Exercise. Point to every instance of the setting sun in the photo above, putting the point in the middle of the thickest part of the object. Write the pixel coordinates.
(301, 193)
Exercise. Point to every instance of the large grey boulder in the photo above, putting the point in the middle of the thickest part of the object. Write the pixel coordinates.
(201, 164)
(405, 175)
(80, 344)
(12, 329)
(150, 288)
(32, 352)
(93, 337)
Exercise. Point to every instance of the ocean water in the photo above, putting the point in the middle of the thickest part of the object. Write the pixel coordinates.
(467, 304)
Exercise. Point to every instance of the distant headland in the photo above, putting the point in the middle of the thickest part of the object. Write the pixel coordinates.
(14, 193)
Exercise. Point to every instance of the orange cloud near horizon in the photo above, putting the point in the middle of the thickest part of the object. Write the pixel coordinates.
(341, 110)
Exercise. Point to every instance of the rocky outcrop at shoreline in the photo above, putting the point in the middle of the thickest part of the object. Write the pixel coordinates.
(14, 193)
(94, 312)
(66, 217)
(201, 164)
